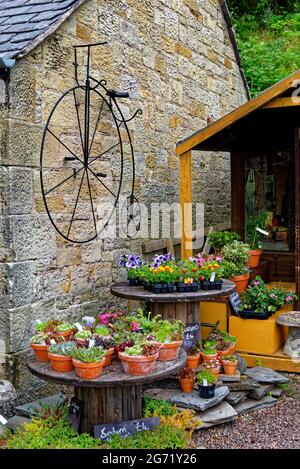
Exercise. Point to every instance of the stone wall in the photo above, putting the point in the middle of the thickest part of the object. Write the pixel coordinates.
(177, 62)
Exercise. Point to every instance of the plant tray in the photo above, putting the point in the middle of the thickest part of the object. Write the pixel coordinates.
(207, 285)
(160, 288)
(249, 314)
(187, 288)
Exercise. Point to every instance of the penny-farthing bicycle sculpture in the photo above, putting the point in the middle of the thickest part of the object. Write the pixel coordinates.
(83, 158)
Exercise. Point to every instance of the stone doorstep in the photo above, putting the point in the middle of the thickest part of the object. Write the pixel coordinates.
(262, 374)
(249, 405)
(30, 409)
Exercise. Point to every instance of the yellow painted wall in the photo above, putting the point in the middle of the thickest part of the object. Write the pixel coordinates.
(212, 312)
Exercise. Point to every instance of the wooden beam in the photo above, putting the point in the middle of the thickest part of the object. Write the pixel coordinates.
(258, 102)
(186, 205)
(283, 102)
(238, 194)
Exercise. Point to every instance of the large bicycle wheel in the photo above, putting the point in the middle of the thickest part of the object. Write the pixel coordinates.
(81, 164)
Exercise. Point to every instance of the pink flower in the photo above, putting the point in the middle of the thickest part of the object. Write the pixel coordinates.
(135, 326)
(104, 318)
(289, 298)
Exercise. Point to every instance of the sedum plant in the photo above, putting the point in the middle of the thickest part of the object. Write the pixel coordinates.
(230, 358)
(64, 327)
(102, 330)
(88, 355)
(85, 334)
(64, 348)
(206, 375)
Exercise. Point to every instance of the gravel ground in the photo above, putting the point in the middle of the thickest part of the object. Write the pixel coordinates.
(275, 428)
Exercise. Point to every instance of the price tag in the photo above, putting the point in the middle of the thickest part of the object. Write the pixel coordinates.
(79, 326)
(213, 276)
(91, 343)
(3, 420)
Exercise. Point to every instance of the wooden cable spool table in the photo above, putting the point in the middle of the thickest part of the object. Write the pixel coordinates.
(182, 306)
(113, 397)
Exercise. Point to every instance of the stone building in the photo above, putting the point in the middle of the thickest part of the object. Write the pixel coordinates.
(179, 62)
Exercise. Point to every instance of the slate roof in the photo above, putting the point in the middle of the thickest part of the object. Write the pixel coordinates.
(26, 23)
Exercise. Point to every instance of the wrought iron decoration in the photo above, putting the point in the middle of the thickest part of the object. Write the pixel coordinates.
(88, 128)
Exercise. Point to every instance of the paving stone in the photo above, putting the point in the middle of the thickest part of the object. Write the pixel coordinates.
(30, 409)
(276, 391)
(163, 394)
(236, 396)
(262, 374)
(260, 392)
(245, 384)
(16, 422)
(242, 365)
(194, 401)
(221, 413)
(250, 405)
(230, 378)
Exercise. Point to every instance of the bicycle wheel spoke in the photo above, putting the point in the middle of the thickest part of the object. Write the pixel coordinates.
(106, 151)
(73, 214)
(91, 199)
(64, 145)
(65, 180)
(97, 122)
(101, 182)
(78, 119)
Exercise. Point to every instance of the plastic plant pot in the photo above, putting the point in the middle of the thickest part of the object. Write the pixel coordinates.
(207, 392)
(157, 288)
(181, 288)
(171, 288)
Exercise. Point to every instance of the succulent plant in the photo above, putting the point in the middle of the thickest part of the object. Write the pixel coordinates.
(186, 373)
(64, 348)
(88, 355)
(64, 327)
(84, 334)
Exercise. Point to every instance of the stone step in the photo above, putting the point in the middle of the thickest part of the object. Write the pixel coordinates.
(249, 405)
(260, 392)
(262, 374)
(194, 401)
(235, 397)
(221, 413)
(230, 378)
(35, 407)
(245, 384)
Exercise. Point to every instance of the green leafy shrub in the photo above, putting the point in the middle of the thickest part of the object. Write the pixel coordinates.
(238, 254)
(157, 407)
(219, 239)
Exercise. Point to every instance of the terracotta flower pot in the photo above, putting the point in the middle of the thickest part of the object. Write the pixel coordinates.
(222, 353)
(41, 352)
(108, 356)
(187, 385)
(60, 363)
(229, 367)
(208, 358)
(193, 361)
(254, 257)
(81, 342)
(241, 282)
(216, 372)
(232, 348)
(88, 370)
(66, 335)
(169, 351)
(138, 364)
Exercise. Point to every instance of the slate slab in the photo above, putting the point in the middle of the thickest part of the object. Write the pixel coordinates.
(276, 391)
(160, 393)
(222, 413)
(16, 422)
(230, 378)
(236, 396)
(242, 365)
(260, 392)
(249, 405)
(261, 374)
(194, 401)
(7, 391)
(245, 384)
(32, 408)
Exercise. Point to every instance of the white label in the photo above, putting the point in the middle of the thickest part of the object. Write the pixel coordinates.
(52, 342)
(38, 321)
(79, 326)
(3, 420)
(91, 343)
(262, 231)
(205, 382)
(213, 276)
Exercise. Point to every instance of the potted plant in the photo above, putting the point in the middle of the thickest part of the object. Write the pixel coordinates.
(193, 357)
(219, 239)
(88, 362)
(60, 356)
(209, 350)
(40, 343)
(139, 359)
(169, 338)
(103, 338)
(213, 366)
(229, 363)
(210, 272)
(132, 263)
(187, 276)
(162, 278)
(237, 253)
(255, 226)
(65, 330)
(206, 384)
(82, 337)
(186, 378)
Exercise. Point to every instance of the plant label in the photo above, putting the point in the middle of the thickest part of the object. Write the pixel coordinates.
(3, 420)
(191, 335)
(38, 321)
(79, 326)
(74, 413)
(213, 276)
(205, 382)
(52, 342)
(91, 343)
(123, 429)
(235, 302)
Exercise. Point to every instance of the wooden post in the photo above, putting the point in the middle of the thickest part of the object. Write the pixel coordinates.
(238, 194)
(297, 214)
(186, 204)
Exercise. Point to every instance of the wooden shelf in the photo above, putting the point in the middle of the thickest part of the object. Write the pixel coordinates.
(277, 361)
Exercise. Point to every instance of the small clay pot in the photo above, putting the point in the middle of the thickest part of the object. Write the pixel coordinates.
(60, 363)
(138, 365)
(88, 370)
(41, 352)
(170, 351)
(193, 361)
(187, 385)
(241, 282)
(229, 367)
(108, 356)
(254, 258)
(208, 358)
(66, 335)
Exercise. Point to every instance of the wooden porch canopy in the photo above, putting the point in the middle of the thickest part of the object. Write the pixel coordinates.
(270, 121)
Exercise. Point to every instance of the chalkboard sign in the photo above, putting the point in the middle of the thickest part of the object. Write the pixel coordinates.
(74, 414)
(123, 429)
(191, 335)
(235, 302)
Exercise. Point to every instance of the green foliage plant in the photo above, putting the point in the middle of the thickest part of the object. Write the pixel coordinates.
(219, 239)
(255, 237)
(205, 375)
(64, 348)
(238, 254)
(88, 355)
